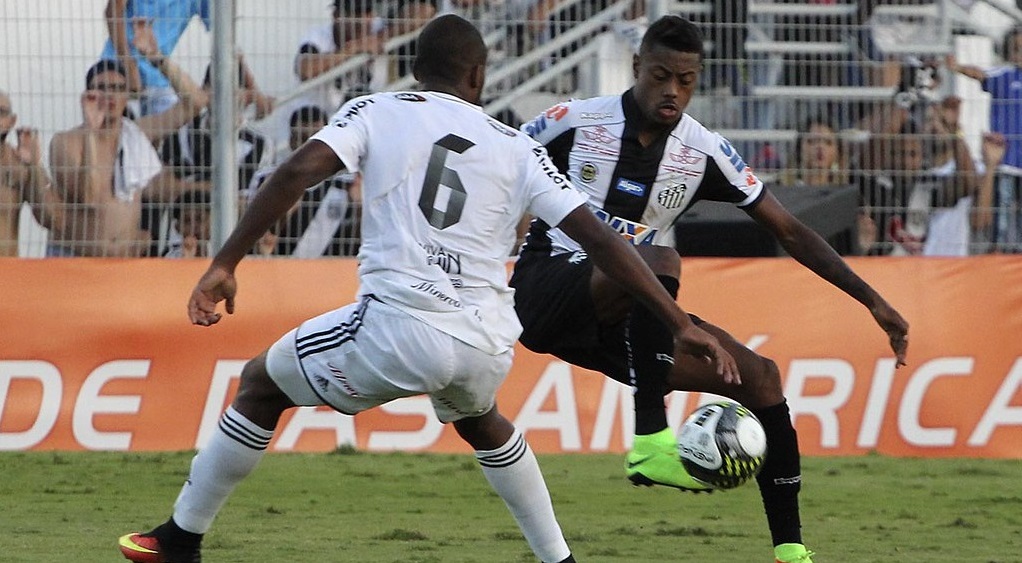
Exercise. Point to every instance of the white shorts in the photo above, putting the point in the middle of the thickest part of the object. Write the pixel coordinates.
(368, 353)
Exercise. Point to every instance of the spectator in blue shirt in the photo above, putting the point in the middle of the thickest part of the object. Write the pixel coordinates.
(169, 19)
(1004, 83)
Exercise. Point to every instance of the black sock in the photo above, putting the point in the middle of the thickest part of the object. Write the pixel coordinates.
(781, 477)
(651, 351)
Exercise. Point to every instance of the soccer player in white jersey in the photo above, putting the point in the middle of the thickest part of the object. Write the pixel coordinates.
(642, 162)
(444, 188)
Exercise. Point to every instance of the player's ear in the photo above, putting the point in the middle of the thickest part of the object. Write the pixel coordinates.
(477, 76)
(635, 66)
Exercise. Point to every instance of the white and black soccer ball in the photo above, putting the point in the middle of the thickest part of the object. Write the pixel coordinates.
(722, 444)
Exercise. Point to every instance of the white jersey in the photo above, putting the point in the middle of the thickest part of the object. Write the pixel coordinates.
(444, 187)
(639, 191)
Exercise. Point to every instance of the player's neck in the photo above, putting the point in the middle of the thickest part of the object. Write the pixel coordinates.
(472, 98)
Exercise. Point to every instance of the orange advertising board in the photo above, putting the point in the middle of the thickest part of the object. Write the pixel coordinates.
(98, 354)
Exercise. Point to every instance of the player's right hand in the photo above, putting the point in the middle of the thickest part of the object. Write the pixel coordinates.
(695, 341)
(216, 285)
(896, 328)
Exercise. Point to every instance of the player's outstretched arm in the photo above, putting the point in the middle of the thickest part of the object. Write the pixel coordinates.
(619, 260)
(809, 248)
(308, 166)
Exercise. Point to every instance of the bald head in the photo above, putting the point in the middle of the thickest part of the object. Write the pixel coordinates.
(448, 49)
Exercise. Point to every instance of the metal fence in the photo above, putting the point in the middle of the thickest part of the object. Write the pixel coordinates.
(812, 92)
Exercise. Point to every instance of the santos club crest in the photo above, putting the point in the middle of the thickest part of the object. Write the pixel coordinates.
(672, 196)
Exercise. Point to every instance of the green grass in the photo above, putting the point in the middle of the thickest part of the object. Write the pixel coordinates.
(348, 506)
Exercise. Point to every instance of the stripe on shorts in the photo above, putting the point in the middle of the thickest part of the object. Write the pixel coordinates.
(316, 342)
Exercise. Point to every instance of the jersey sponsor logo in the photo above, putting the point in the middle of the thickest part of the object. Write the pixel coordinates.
(549, 169)
(535, 127)
(449, 262)
(750, 177)
(430, 288)
(599, 134)
(631, 187)
(410, 97)
(635, 233)
(672, 196)
(686, 156)
(733, 156)
(588, 172)
(358, 106)
(593, 116)
(557, 112)
(502, 128)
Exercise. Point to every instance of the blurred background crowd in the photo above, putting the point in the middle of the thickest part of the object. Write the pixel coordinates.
(108, 107)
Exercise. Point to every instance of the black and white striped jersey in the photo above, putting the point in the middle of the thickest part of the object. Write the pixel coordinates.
(640, 191)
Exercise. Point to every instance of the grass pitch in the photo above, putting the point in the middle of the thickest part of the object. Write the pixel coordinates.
(349, 506)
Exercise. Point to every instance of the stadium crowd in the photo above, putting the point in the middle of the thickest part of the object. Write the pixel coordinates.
(134, 177)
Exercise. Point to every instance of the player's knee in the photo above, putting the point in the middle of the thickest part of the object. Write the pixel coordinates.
(258, 396)
(763, 379)
(487, 432)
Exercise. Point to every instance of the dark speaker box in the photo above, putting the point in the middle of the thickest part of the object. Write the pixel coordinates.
(721, 229)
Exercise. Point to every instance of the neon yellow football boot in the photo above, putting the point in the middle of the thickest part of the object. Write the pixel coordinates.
(792, 553)
(654, 460)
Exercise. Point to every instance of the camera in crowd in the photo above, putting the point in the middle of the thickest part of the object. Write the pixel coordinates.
(919, 83)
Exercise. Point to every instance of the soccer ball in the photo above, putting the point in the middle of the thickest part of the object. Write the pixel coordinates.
(722, 444)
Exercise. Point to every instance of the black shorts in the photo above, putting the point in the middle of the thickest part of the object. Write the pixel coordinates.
(558, 314)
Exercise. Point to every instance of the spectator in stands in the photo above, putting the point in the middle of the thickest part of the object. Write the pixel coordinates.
(819, 158)
(354, 31)
(189, 153)
(189, 150)
(993, 150)
(1004, 83)
(948, 232)
(103, 167)
(407, 16)
(528, 23)
(325, 221)
(912, 181)
(192, 223)
(23, 179)
(168, 19)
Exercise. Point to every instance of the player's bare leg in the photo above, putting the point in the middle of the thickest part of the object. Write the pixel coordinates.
(780, 479)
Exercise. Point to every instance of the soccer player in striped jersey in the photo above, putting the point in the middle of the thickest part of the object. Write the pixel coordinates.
(444, 189)
(642, 162)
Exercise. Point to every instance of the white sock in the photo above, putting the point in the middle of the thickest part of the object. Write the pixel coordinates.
(513, 472)
(232, 453)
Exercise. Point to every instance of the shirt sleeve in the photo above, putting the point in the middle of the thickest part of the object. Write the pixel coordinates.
(347, 134)
(551, 195)
(994, 78)
(728, 178)
(550, 124)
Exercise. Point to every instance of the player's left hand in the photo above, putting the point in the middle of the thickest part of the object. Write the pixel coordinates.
(216, 285)
(695, 341)
(896, 328)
